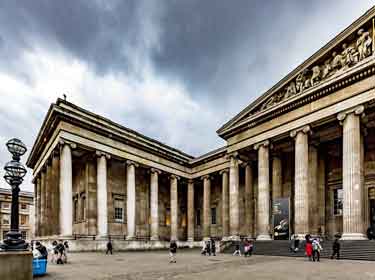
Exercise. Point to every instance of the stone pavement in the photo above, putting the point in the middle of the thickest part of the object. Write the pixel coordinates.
(190, 265)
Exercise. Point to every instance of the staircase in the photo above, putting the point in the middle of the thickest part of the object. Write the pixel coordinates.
(351, 250)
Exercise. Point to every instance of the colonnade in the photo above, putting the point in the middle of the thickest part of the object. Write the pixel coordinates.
(306, 190)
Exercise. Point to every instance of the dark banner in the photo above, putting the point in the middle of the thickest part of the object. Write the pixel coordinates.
(280, 218)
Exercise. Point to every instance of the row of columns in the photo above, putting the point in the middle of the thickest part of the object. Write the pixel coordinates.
(306, 185)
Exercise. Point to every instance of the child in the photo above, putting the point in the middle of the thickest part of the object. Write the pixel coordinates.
(308, 249)
(316, 250)
(172, 251)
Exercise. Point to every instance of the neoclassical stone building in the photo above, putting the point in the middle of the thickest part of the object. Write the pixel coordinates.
(309, 139)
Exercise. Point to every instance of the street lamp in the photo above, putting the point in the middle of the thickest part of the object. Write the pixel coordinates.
(14, 173)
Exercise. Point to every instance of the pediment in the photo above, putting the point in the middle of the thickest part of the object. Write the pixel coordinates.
(350, 48)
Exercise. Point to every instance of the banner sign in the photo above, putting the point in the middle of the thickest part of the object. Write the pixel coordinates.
(280, 218)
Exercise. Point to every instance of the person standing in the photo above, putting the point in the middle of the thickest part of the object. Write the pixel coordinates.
(336, 249)
(213, 247)
(42, 250)
(316, 250)
(237, 251)
(208, 248)
(308, 249)
(172, 251)
(109, 247)
(61, 252)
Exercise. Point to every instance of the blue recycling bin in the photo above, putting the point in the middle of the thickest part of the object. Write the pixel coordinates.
(39, 267)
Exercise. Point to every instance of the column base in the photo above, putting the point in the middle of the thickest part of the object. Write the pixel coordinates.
(234, 238)
(101, 237)
(353, 236)
(190, 239)
(130, 238)
(263, 237)
(154, 238)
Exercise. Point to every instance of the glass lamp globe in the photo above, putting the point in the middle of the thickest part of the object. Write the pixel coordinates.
(14, 172)
(16, 147)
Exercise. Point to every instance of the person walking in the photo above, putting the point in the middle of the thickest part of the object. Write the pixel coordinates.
(109, 247)
(336, 249)
(208, 248)
(308, 249)
(248, 248)
(66, 250)
(237, 251)
(316, 249)
(61, 252)
(172, 251)
(55, 253)
(213, 247)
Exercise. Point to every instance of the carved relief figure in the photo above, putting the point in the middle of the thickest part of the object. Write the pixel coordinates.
(300, 81)
(290, 90)
(315, 78)
(364, 44)
(337, 61)
(348, 55)
(326, 68)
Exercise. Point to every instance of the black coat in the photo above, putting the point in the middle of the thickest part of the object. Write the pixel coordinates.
(173, 248)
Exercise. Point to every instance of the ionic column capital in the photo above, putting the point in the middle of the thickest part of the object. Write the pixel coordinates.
(233, 155)
(304, 129)
(358, 110)
(102, 154)
(154, 170)
(64, 142)
(191, 181)
(226, 170)
(173, 176)
(130, 163)
(264, 143)
(246, 163)
(205, 177)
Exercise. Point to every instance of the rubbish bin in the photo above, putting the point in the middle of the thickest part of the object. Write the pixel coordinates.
(39, 267)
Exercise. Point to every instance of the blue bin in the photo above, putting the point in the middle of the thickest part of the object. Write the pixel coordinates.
(39, 267)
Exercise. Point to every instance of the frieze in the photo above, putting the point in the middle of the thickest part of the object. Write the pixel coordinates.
(333, 64)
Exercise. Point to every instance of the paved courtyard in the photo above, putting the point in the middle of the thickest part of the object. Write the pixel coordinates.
(190, 265)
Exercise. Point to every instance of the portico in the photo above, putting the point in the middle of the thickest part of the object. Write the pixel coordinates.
(309, 140)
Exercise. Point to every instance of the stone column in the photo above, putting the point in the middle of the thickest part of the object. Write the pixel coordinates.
(301, 203)
(190, 211)
(313, 190)
(154, 185)
(249, 199)
(55, 193)
(263, 209)
(43, 221)
(234, 210)
(276, 177)
(49, 190)
(206, 207)
(174, 207)
(66, 192)
(353, 227)
(130, 202)
(225, 201)
(39, 209)
(102, 194)
(35, 181)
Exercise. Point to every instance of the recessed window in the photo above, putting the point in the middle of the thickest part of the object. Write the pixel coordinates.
(24, 206)
(213, 216)
(83, 207)
(119, 210)
(168, 216)
(6, 219)
(23, 220)
(75, 210)
(5, 205)
(338, 196)
(24, 235)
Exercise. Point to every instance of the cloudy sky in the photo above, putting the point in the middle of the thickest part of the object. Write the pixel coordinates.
(172, 70)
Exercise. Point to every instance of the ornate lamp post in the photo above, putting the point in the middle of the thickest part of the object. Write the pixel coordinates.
(14, 173)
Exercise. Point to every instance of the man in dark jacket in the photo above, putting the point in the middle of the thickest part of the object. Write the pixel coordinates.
(213, 247)
(336, 249)
(109, 247)
(172, 251)
(42, 250)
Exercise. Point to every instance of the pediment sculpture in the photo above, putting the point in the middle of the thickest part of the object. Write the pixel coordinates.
(340, 60)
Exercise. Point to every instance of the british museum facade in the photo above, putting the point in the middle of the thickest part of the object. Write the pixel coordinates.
(299, 159)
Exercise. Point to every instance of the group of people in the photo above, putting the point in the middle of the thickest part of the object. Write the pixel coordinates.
(247, 248)
(313, 247)
(58, 251)
(209, 247)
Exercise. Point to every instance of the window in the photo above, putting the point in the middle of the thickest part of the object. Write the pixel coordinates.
(24, 235)
(5, 205)
(6, 219)
(338, 195)
(168, 216)
(24, 206)
(198, 217)
(213, 216)
(24, 220)
(119, 210)
(83, 207)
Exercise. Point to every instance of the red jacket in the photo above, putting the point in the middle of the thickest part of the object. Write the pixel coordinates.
(308, 249)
